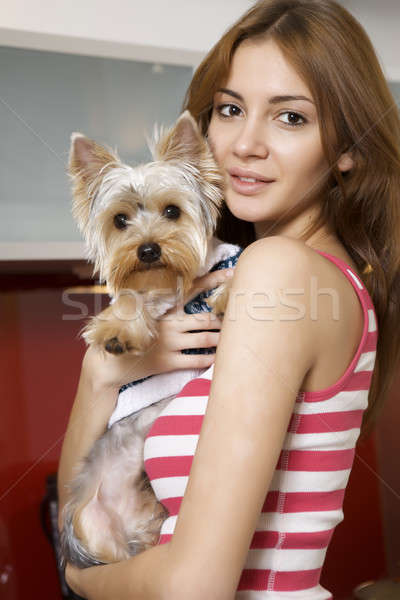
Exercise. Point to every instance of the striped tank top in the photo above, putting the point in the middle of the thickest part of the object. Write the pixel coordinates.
(305, 498)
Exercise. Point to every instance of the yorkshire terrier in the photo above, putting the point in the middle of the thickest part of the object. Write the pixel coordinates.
(149, 230)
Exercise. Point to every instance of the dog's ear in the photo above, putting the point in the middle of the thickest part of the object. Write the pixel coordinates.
(185, 144)
(88, 162)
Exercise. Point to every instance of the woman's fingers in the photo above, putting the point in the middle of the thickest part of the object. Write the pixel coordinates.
(192, 361)
(179, 330)
(181, 321)
(204, 339)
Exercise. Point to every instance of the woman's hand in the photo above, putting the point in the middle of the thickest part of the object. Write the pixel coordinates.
(110, 371)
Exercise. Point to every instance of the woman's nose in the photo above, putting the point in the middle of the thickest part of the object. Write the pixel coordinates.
(251, 141)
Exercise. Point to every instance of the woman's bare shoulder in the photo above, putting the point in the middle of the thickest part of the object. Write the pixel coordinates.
(279, 251)
(334, 308)
(314, 291)
(271, 286)
(292, 251)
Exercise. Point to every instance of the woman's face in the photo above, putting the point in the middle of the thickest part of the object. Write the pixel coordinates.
(265, 135)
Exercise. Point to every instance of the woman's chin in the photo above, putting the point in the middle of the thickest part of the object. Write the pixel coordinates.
(242, 212)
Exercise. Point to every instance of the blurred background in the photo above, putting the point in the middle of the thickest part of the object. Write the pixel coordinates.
(111, 70)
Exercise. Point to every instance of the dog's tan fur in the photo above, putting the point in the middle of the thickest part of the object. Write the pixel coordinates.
(186, 170)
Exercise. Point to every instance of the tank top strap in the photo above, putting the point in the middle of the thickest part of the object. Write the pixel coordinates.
(354, 279)
(364, 356)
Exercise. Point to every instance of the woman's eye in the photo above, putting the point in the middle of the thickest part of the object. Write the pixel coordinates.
(228, 110)
(172, 212)
(120, 221)
(293, 119)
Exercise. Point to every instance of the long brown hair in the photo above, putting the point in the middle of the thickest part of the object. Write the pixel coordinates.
(357, 112)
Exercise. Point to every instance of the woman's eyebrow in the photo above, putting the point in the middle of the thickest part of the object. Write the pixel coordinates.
(273, 100)
(231, 93)
(280, 99)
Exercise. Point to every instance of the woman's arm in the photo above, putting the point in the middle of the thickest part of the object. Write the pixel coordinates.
(265, 351)
(266, 348)
(142, 577)
(88, 419)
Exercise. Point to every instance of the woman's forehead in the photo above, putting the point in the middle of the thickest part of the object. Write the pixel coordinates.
(261, 65)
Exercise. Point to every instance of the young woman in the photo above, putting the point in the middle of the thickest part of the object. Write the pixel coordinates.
(304, 127)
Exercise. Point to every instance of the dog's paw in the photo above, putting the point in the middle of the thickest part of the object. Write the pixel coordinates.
(115, 346)
(121, 342)
(218, 299)
(117, 337)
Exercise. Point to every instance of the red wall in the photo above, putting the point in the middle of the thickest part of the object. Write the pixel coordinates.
(39, 360)
(40, 357)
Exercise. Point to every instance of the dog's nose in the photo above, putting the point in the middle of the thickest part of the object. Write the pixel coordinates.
(149, 253)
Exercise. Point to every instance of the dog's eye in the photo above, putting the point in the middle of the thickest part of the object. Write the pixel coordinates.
(120, 221)
(172, 212)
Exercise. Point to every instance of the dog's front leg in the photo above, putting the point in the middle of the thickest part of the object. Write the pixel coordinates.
(124, 326)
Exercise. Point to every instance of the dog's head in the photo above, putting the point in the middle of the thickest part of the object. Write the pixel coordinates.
(147, 225)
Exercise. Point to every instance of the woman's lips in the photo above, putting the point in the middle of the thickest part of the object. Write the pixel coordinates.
(247, 188)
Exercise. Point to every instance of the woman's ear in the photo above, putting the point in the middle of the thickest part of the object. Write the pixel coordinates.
(345, 162)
